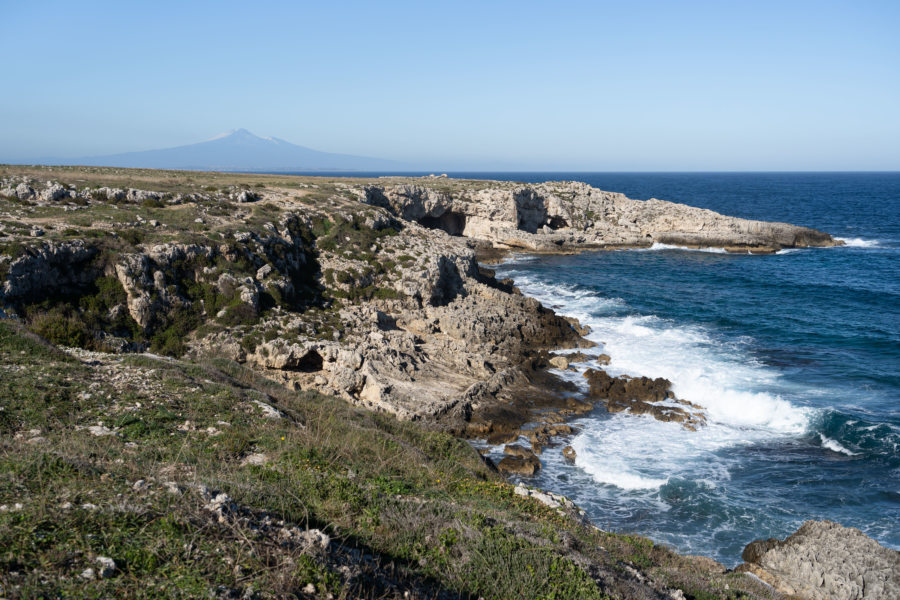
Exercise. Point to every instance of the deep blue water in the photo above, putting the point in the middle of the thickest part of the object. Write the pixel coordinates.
(795, 357)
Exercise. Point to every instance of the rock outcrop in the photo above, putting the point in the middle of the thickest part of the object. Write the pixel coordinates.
(55, 193)
(569, 216)
(826, 561)
(381, 302)
(48, 268)
(643, 396)
(519, 461)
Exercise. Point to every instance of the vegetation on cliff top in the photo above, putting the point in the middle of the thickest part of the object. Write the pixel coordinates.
(133, 475)
(110, 456)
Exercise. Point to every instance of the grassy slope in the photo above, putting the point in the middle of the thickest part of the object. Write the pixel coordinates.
(407, 509)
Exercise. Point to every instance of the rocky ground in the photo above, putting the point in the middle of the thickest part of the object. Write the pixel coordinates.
(364, 290)
(824, 560)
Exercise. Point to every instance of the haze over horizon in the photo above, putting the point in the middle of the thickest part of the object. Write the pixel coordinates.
(651, 86)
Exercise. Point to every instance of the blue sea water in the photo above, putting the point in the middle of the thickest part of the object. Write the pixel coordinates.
(795, 358)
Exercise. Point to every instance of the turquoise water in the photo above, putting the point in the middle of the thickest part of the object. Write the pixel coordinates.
(796, 358)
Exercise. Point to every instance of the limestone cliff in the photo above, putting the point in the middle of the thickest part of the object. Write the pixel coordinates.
(367, 290)
(567, 216)
(824, 560)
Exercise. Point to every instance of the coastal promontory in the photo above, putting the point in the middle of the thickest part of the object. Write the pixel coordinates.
(256, 385)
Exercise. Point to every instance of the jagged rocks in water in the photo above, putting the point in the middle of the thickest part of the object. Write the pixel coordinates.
(502, 437)
(567, 216)
(519, 461)
(576, 357)
(559, 362)
(824, 561)
(517, 451)
(642, 396)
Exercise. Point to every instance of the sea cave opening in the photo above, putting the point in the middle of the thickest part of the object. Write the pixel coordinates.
(452, 222)
(557, 222)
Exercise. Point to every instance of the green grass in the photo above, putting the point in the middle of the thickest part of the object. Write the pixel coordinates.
(421, 503)
(406, 506)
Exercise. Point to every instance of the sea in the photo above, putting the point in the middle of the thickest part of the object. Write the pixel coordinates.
(795, 358)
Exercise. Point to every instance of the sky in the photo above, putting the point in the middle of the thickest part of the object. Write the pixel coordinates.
(569, 86)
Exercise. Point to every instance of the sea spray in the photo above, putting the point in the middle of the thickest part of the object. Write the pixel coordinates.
(794, 357)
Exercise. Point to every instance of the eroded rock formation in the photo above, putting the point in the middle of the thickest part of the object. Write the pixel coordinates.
(567, 216)
(381, 302)
(826, 561)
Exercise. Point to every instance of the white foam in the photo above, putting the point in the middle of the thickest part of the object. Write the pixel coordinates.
(742, 399)
(834, 446)
(636, 453)
(722, 379)
(659, 246)
(621, 479)
(859, 242)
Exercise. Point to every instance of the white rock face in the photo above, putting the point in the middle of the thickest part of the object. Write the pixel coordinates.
(24, 192)
(824, 560)
(53, 193)
(47, 267)
(558, 216)
(107, 567)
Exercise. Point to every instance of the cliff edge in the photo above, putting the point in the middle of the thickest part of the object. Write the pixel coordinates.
(571, 216)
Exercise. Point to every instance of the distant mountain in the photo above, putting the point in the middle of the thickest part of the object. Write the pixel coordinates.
(240, 150)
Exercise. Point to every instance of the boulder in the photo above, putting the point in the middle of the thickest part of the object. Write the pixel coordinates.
(247, 196)
(642, 396)
(824, 560)
(559, 362)
(24, 192)
(53, 193)
(576, 357)
(502, 437)
(518, 451)
(513, 465)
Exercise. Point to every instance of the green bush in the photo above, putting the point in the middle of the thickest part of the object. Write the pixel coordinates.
(61, 327)
(153, 203)
(78, 319)
(132, 236)
(239, 314)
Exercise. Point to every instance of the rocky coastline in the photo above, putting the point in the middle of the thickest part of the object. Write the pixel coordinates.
(376, 292)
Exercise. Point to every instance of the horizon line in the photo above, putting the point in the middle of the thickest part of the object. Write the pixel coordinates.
(301, 171)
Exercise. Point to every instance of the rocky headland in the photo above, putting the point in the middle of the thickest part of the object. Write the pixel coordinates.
(570, 216)
(370, 291)
(825, 560)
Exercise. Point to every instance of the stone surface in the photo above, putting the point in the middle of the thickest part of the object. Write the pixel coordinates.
(47, 268)
(516, 465)
(560, 216)
(643, 396)
(106, 567)
(53, 193)
(824, 560)
(559, 362)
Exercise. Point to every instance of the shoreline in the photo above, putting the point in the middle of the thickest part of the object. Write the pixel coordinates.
(533, 278)
(399, 316)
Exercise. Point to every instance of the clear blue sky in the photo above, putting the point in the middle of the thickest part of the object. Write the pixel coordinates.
(605, 86)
